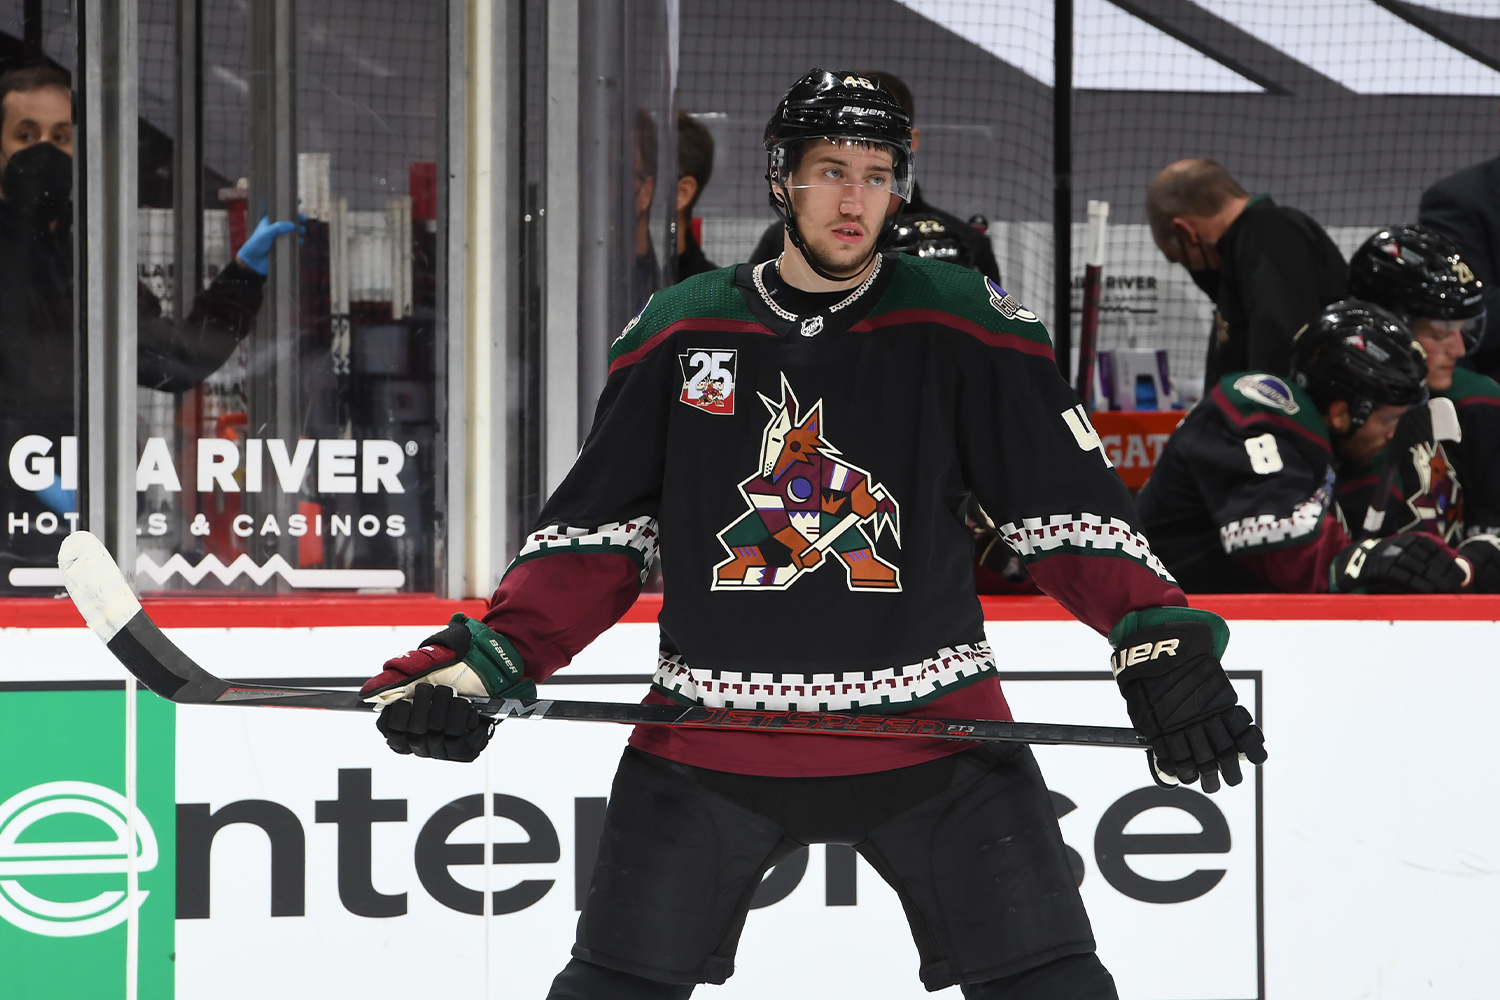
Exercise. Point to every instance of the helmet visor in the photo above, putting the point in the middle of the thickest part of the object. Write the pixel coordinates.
(1471, 329)
(840, 162)
(1473, 332)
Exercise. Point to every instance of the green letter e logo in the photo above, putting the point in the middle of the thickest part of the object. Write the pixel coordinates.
(39, 883)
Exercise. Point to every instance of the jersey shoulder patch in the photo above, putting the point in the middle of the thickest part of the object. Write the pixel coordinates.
(1259, 398)
(938, 287)
(1267, 390)
(709, 296)
(1471, 387)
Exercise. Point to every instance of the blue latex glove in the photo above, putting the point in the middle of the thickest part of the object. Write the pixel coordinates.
(57, 498)
(256, 253)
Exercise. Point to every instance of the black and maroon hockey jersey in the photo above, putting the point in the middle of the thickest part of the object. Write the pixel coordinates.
(1242, 498)
(1446, 479)
(805, 479)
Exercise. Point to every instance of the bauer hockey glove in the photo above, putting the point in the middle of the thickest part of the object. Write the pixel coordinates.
(1167, 665)
(1408, 563)
(425, 693)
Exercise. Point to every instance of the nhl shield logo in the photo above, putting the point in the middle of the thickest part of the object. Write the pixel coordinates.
(708, 379)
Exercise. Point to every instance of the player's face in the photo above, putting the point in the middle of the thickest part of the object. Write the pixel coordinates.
(44, 115)
(841, 192)
(1443, 341)
(1363, 445)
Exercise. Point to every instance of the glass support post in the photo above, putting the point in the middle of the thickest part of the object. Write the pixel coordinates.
(106, 301)
(187, 159)
(274, 394)
(453, 212)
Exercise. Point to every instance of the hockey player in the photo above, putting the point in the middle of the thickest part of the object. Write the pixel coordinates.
(1243, 496)
(805, 435)
(1441, 473)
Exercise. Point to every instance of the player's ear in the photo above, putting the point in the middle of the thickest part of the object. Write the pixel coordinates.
(916, 138)
(1337, 417)
(687, 187)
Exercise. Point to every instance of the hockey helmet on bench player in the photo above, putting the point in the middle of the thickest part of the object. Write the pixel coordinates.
(1419, 274)
(922, 234)
(1360, 353)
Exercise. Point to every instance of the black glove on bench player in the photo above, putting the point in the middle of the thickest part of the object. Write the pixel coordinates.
(1408, 563)
(1180, 699)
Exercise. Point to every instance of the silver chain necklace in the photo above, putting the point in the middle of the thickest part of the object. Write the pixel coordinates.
(760, 286)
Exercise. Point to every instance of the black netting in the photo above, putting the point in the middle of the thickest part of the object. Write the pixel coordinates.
(1346, 110)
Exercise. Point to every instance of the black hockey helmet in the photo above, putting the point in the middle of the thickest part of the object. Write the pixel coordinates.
(1417, 273)
(838, 105)
(924, 234)
(1360, 353)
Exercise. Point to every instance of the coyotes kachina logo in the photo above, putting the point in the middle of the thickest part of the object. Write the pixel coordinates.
(1439, 506)
(808, 507)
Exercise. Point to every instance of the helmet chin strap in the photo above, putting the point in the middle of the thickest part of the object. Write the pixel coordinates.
(783, 208)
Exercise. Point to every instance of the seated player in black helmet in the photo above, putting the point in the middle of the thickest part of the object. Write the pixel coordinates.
(928, 234)
(1441, 472)
(1243, 496)
(976, 246)
(807, 432)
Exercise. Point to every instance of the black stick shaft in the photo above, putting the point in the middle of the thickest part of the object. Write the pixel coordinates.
(722, 719)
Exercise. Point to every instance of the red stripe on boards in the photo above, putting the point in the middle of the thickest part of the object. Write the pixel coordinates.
(424, 609)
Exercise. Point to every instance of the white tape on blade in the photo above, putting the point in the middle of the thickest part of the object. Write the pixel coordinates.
(95, 583)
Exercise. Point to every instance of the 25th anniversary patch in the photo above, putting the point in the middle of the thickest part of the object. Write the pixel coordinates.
(708, 379)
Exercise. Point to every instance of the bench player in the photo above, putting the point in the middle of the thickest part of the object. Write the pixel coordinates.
(1243, 497)
(805, 435)
(1441, 473)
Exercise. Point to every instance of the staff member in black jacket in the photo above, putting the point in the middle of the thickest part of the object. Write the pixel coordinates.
(1268, 268)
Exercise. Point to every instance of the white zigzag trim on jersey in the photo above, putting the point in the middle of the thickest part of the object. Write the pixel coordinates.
(1267, 529)
(1036, 535)
(638, 533)
(830, 692)
(340, 579)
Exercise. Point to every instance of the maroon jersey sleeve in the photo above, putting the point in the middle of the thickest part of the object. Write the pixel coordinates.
(1038, 468)
(1302, 568)
(583, 566)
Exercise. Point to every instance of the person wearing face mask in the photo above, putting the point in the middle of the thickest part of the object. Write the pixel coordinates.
(37, 344)
(1243, 498)
(1441, 471)
(1268, 268)
(36, 264)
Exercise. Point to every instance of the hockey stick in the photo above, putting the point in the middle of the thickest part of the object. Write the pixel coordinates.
(102, 595)
(1088, 327)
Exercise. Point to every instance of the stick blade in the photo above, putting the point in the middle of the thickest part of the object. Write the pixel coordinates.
(96, 585)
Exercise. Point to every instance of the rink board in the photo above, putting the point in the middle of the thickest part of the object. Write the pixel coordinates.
(1356, 862)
